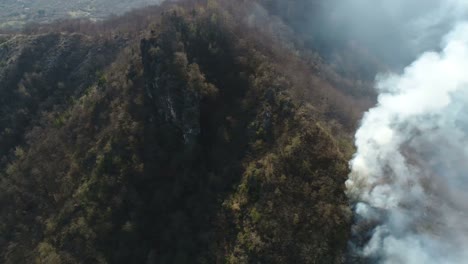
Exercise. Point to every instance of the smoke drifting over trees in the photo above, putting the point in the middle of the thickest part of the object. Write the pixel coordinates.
(220, 131)
(409, 173)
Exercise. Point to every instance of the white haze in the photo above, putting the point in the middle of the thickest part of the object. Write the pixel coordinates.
(395, 30)
(409, 176)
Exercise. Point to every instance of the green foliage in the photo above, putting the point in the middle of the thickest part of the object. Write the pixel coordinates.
(101, 79)
(47, 254)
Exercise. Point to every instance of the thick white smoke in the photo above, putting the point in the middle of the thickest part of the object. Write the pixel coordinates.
(409, 176)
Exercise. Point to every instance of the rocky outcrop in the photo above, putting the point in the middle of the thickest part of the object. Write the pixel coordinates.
(168, 90)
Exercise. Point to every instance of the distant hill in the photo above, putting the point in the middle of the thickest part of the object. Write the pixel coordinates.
(17, 13)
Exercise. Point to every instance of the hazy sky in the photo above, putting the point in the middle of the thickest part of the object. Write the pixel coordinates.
(396, 30)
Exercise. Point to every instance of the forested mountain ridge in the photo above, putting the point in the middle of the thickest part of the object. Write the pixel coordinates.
(176, 134)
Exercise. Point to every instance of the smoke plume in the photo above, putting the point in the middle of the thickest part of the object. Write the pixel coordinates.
(409, 177)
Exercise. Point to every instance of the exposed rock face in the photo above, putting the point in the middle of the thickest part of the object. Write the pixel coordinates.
(176, 104)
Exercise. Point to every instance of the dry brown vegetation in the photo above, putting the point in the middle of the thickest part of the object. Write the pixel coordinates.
(175, 134)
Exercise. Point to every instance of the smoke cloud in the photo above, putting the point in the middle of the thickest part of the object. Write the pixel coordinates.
(409, 177)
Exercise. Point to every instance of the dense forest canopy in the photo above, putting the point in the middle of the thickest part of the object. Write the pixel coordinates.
(191, 132)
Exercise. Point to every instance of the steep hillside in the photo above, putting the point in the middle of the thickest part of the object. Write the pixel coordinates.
(181, 134)
(40, 73)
